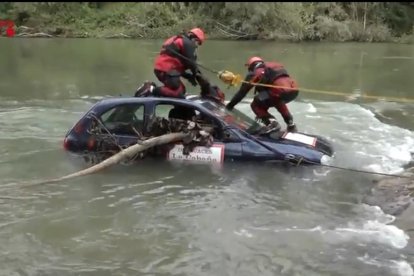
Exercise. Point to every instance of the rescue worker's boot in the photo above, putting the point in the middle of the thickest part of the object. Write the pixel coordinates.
(145, 90)
(272, 125)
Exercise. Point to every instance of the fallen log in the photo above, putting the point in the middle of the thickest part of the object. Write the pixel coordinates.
(34, 35)
(118, 35)
(120, 156)
(163, 132)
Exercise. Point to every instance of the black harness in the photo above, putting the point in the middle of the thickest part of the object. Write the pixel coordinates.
(269, 76)
(171, 49)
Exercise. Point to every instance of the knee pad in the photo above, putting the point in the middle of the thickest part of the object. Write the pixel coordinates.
(287, 97)
(173, 82)
(263, 98)
(165, 91)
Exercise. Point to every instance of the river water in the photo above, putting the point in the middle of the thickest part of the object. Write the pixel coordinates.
(191, 219)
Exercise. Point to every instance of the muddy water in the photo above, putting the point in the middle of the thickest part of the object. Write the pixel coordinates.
(185, 219)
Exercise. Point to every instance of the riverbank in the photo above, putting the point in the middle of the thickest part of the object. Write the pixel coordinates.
(62, 32)
(291, 22)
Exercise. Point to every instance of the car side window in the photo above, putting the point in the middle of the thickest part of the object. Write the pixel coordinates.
(175, 111)
(182, 112)
(162, 110)
(123, 119)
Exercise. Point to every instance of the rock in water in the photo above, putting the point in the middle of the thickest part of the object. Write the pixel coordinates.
(392, 195)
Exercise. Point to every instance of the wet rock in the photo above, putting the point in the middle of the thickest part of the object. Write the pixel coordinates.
(392, 195)
(410, 171)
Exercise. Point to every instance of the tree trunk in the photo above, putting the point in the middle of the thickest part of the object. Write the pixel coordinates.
(120, 156)
(365, 15)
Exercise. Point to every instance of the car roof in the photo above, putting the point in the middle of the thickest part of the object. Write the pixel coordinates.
(191, 100)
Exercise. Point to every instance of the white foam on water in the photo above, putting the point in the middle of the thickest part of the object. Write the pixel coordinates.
(311, 108)
(370, 231)
(400, 267)
(359, 130)
(361, 140)
(403, 268)
(375, 231)
(375, 227)
(243, 233)
(377, 213)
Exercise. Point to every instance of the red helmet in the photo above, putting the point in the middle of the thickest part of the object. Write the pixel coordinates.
(253, 60)
(199, 33)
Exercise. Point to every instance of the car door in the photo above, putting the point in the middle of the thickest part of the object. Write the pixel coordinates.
(123, 124)
(225, 146)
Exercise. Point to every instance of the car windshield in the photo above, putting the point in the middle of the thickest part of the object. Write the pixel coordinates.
(234, 117)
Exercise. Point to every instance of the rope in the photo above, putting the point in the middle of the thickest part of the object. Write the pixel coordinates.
(235, 79)
(302, 159)
(232, 79)
(193, 62)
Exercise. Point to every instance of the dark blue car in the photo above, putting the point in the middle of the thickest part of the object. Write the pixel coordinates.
(237, 137)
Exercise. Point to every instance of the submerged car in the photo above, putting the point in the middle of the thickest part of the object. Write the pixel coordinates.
(237, 137)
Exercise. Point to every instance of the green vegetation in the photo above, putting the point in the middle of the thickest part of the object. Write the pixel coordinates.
(307, 21)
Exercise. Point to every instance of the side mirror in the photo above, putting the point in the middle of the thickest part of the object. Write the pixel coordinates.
(229, 136)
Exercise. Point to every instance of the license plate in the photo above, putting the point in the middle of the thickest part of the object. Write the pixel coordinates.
(213, 154)
(301, 138)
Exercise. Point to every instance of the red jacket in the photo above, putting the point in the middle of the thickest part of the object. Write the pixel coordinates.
(270, 73)
(177, 53)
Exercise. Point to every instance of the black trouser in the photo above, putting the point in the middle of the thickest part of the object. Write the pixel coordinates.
(173, 86)
(264, 100)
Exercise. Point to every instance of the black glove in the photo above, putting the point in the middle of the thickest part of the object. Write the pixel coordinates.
(193, 81)
(229, 106)
(190, 78)
(200, 78)
(156, 93)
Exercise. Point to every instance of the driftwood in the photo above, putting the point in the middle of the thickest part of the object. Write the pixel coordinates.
(165, 131)
(34, 35)
(234, 34)
(118, 35)
(120, 156)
